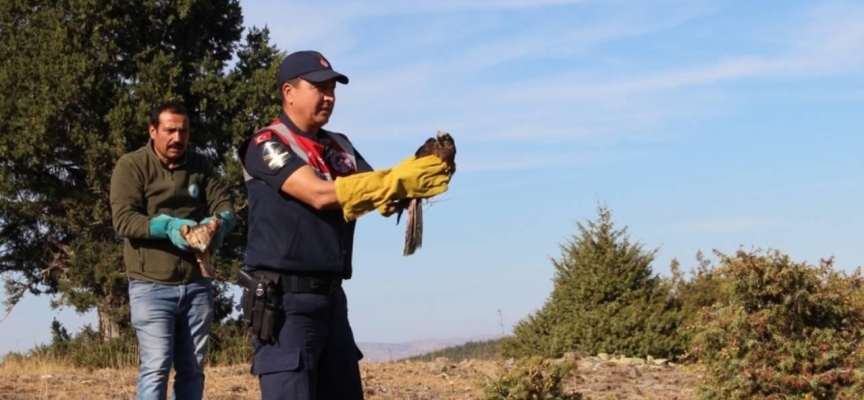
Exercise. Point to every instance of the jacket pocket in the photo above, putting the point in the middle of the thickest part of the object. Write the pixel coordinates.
(274, 360)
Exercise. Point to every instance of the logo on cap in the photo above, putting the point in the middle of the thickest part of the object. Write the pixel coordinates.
(324, 63)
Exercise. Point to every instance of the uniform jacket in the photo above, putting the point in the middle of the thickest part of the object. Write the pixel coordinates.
(286, 234)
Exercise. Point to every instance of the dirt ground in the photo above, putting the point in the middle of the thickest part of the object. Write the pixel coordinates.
(599, 378)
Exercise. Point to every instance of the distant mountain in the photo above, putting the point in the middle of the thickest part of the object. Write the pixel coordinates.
(472, 350)
(383, 352)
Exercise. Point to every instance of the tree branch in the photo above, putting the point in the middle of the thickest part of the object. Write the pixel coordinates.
(16, 297)
(58, 264)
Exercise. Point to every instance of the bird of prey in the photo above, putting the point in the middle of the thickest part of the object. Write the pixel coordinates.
(200, 238)
(444, 147)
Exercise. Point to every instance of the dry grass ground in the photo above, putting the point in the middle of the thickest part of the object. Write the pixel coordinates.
(596, 378)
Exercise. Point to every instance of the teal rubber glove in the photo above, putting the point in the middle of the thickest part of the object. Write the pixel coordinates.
(159, 226)
(174, 232)
(227, 226)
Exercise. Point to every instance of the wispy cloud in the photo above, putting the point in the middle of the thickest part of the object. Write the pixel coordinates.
(556, 39)
(825, 40)
(389, 7)
(332, 27)
(730, 225)
(555, 70)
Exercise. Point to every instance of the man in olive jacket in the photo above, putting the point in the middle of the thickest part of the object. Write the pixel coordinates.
(154, 191)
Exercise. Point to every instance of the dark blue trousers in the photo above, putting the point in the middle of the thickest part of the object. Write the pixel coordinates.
(315, 356)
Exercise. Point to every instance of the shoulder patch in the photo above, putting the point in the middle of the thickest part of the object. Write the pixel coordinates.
(274, 153)
(263, 138)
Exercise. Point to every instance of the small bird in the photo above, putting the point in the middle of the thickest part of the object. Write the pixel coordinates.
(200, 238)
(444, 147)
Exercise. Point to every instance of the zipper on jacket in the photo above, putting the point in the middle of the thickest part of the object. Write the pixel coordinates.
(179, 261)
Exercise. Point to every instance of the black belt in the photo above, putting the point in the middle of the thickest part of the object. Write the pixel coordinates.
(309, 284)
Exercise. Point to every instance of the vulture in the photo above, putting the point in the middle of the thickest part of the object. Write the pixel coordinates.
(444, 147)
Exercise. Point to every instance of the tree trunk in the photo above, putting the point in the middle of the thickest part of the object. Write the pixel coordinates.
(108, 329)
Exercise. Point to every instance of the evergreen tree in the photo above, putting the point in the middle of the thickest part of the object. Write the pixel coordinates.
(78, 79)
(605, 299)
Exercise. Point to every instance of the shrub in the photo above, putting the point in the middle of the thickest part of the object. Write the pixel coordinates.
(702, 290)
(87, 349)
(533, 378)
(787, 330)
(229, 344)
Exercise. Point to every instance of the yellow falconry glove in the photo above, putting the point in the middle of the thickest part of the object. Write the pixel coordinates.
(388, 208)
(414, 177)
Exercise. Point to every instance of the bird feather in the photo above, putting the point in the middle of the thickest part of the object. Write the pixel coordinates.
(444, 147)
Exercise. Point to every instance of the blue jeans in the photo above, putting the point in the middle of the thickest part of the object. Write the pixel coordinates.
(172, 323)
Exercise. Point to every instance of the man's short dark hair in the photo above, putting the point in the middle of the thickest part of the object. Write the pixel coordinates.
(170, 106)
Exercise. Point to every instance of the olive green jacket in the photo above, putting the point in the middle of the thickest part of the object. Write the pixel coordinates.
(142, 188)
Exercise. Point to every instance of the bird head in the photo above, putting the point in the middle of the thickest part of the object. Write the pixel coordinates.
(447, 150)
(446, 140)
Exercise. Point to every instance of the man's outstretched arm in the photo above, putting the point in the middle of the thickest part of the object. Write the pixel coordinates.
(277, 165)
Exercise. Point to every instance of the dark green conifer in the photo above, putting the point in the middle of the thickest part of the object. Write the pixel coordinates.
(78, 78)
(605, 299)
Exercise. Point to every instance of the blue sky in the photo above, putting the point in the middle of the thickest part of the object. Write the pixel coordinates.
(701, 124)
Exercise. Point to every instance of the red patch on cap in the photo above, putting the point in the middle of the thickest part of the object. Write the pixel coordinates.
(324, 63)
(263, 138)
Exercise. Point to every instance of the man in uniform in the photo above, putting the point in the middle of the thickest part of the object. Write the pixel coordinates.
(306, 187)
(155, 190)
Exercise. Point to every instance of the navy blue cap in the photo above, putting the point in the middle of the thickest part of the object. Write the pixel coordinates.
(309, 65)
